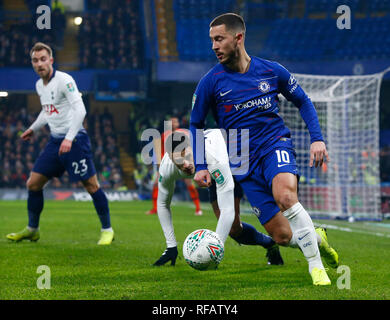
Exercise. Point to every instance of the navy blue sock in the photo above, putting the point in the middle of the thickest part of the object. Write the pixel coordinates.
(251, 236)
(34, 207)
(101, 205)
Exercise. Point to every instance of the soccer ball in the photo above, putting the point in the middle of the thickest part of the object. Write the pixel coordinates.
(203, 249)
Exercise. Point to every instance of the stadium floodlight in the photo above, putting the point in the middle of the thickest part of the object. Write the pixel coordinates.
(78, 20)
(3, 94)
(348, 111)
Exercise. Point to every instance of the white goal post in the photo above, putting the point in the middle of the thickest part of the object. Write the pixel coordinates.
(348, 111)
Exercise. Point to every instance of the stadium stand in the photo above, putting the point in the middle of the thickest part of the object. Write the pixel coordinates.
(16, 41)
(192, 25)
(106, 149)
(309, 35)
(310, 39)
(16, 157)
(110, 36)
(18, 32)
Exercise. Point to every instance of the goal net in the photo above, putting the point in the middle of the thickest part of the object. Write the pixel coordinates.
(348, 111)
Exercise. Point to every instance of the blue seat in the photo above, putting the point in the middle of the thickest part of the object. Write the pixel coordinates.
(287, 39)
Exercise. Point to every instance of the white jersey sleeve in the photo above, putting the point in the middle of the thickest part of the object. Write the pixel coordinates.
(79, 113)
(68, 87)
(166, 181)
(75, 101)
(217, 159)
(218, 165)
(39, 122)
(168, 174)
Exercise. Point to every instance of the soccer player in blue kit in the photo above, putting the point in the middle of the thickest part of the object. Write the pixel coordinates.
(242, 93)
(69, 147)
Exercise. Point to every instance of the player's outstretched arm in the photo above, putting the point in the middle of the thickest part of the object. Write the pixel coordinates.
(166, 189)
(79, 112)
(72, 94)
(37, 124)
(202, 101)
(293, 92)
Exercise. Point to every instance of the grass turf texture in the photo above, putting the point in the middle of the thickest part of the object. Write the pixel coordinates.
(82, 270)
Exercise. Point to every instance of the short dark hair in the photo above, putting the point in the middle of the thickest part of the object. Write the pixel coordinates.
(175, 139)
(41, 46)
(232, 21)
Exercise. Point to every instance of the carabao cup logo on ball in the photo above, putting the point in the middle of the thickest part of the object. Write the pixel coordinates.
(203, 249)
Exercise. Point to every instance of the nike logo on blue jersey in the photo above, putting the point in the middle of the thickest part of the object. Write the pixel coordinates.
(224, 93)
(300, 238)
(282, 165)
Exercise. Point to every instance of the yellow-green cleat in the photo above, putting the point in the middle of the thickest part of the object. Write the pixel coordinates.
(106, 238)
(327, 252)
(25, 234)
(320, 277)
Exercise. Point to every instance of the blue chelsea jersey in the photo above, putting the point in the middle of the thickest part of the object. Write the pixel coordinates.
(250, 101)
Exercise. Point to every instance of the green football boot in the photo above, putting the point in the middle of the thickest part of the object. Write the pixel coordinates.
(25, 234)
(320, 277)
(327, 252)
(106, 238)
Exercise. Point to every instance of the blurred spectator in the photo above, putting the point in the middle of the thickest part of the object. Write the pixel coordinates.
(58, 22)
(16, 39)
(384, 157)
(110, 36)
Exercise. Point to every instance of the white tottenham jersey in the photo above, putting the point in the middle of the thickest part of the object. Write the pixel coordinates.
(217, 162)
(58, 99)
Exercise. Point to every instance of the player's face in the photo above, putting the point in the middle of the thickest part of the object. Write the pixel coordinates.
(42, 63)
(224, 44)
(175, 123)
(184, 160)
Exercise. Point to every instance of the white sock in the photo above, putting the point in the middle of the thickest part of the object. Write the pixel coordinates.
(107, 229)
(304, 235)
(226, 217)
(293, 242)
(32, 229)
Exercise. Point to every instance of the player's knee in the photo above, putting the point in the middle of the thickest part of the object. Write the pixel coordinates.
(91, 187)
(33, 185)
(286, 199)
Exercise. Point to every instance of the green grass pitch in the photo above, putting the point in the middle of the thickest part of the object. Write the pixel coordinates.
(82, 270)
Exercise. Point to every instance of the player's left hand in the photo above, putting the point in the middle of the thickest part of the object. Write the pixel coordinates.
(318, 153)
(65, 147)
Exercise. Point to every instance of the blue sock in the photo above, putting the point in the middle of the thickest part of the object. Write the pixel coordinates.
(101, 205)
(34, 207)
(251, 236)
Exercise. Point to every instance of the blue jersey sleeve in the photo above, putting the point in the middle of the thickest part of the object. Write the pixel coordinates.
(293, 92)
(202, 101)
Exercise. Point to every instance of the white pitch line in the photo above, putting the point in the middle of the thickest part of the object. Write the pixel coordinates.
(331, 226)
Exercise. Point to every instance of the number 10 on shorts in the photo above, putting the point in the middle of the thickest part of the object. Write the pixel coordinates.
(283, 156)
